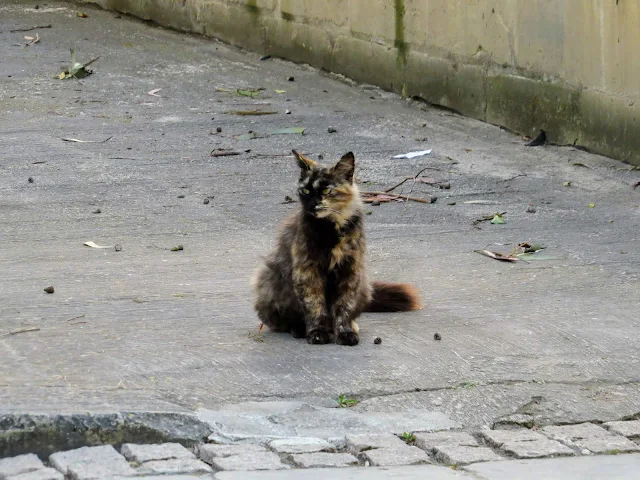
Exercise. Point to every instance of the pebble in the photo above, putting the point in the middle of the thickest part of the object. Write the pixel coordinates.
(219, 129)
(531, 209)
(437, 336)
(375, 203)
(180, 196)
(97, 210)
(49, 290)
(206, 201)
(30, 179)
(377, 340)
(118, 247)
(332, 130)
(291, 79)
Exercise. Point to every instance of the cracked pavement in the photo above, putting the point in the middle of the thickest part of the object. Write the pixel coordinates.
(148, 329)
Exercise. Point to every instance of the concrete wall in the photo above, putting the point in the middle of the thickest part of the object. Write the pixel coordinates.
(570, 67)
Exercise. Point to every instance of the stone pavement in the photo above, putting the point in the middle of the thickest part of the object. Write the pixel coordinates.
(147, 345)
(485, 453)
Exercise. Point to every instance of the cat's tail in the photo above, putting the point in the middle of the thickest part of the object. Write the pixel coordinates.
(393, 297)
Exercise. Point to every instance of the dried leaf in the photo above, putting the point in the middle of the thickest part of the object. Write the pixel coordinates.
(280, 91)
(249, 112)
(177, 248)
(86, 141)
(224, 90)
(497, 219)
(94, 245)
(497, 256)
(382, 199)
(81, 14)
(413, 154)
(225, 152)
(154, 92)
(289, 130)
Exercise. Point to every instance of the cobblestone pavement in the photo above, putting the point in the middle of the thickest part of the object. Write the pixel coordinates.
(454, 449)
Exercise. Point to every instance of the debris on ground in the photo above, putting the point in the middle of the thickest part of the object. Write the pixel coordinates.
(77, 70)
(288, 130)
(30, 180)
(177, 248)
(280, 91)
(291, 79)
(154, 92)
(413, 154)
(97, 210)
(480, 202)
(495, 218)
(377, 341)
(345, 402)
(497, 256)
(218, 129)
(250, 112)
(437, 336)
(566, 184)
(253, 92)
(118, 247)
(49, 289)
(578, 164)
(288, 199)
(206, 201)
(28, 29)
(531, 209)
(332, 130)
(22, 330)
(541, 139)
(81, 15)
(591, 205)
(225, 152)
(265, 57)
(635, 185)
(94, 245)
(75, 140)
(31, 40)
(376, 198)
(287, 112)
(523, 251)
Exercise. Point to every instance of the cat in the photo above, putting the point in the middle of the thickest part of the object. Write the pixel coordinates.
(314, 284)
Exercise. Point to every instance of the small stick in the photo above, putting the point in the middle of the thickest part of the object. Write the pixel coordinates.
(29, 29)
(414, 199)
(75, 318)
(408, 178)
(22, 330)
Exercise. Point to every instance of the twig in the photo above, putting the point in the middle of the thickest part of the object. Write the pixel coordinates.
(22, 330)
(408, 178)
(29, 29)
(75, 318)
(513, 178)
(395, 195)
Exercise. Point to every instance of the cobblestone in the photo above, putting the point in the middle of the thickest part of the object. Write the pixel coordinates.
(42, 474)
(591, 437)
(525, 443)
(20, 464)
(464, 454)
(240, 457)
(173, 466)
(147, 453)
(358, 442)
(428, 441)
(209, 451)
(301, 445)
(88, 463)
(395, 456)
(630, 428)
(324, 459)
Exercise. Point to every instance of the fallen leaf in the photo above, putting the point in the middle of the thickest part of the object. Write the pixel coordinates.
(528, 248)
(224, 90)
(280, 91)
(85, 141)
(249, 112)
(247, 136)
(154, 92)
(289, 130)
(382, 199)
(225, 152)
(28, 38)
(467, 150)
(177, 248)
(566, 184)
(81, 15)
(498, 219)
(77, 70)
(413, 154)
(248, 93)
(591, 205)
(497, 256)
(94, 245)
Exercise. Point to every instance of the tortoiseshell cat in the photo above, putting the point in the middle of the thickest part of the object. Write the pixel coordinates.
(314, 283)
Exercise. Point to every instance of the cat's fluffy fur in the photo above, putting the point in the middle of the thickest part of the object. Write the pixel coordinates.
(314, 284)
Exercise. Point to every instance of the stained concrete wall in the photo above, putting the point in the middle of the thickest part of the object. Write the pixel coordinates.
(570, 67)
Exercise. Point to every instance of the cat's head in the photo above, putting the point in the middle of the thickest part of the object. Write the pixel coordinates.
(328, 192)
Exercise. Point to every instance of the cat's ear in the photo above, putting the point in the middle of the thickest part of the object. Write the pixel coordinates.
(345, 167)
(303, 162)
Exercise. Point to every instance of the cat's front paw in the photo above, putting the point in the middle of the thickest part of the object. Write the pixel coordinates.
(318, 337)
(347, 338)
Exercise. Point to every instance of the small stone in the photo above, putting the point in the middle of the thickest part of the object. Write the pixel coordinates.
(265, 57)
(437, 336)
(323, 459)
(375, 203)
(451, 204)
(180, 196)
(629, 428)
(464, 454)
(320, 157)
(97, 210)
(291, 79)
(30, 180)
(219, 129)
(531, 209)
(20, 464)
(445, 186)
(147, 453)
(42, 474)
(288, 112)
(332, 130)
(49, 290)
(118, 247)
(390, 457)
(301, 445)
(377, 341)
(173, 466)
(206, 201)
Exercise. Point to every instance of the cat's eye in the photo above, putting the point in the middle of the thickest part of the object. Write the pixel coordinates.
(326, 191)
(305, 191)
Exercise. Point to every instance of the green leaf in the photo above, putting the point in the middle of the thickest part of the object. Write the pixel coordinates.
(247, 136)
(280, 91)
(566, 184)
(285, 131)
(591, 205)
(498, 219)
(248, 93)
